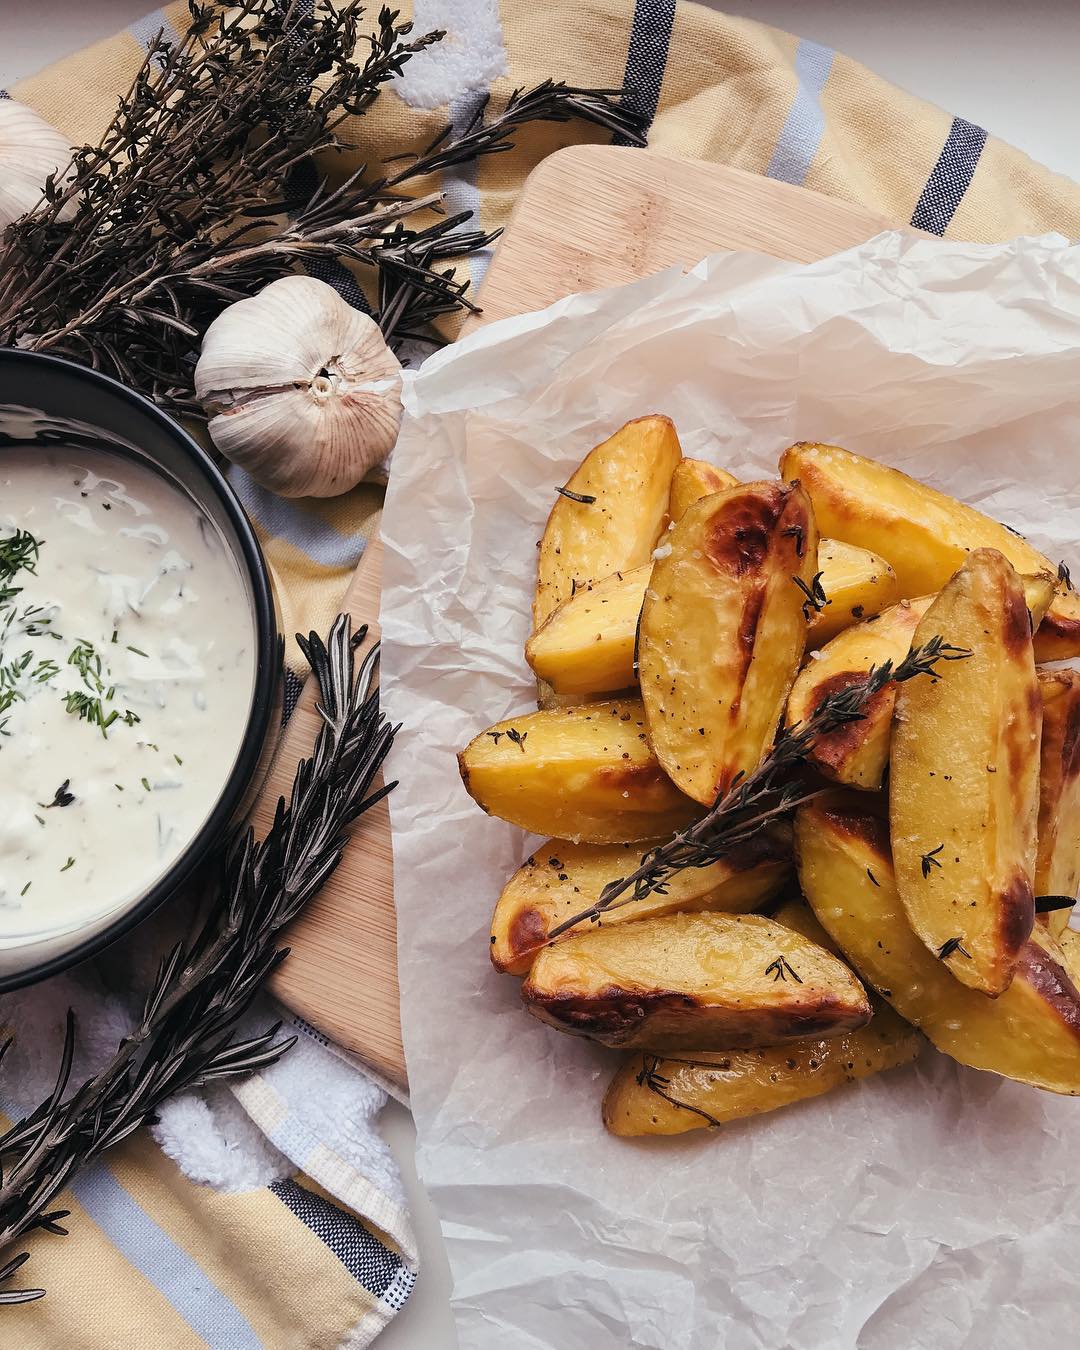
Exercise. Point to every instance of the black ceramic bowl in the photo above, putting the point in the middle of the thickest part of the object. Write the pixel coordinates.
(48, 401)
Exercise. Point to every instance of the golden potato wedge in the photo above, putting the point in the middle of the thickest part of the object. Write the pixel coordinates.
(857, 753)
(1031, 1033)
(722, 632)
(587, 644)
(694, 981)
(924, 533)
(1057, 862)
(858, 584)
(650, 1095)
(629, 478)
(794, 912)
(694, 479)
(546, 696)
(964, 779)
(562, 879)
(582, 773)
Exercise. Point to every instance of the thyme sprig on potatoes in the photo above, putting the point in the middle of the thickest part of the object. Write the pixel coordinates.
(773, 790)
(187, 1035)
(181, 207)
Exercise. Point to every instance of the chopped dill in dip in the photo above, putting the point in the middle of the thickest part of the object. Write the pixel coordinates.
(126, 673)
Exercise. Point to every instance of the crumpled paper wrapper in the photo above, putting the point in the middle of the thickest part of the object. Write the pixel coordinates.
(934, 1206)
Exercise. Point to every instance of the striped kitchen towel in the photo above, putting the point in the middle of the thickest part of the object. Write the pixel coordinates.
(284, 1227)
(322, 1256)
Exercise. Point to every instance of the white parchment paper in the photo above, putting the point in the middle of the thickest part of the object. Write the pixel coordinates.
(932, 1207)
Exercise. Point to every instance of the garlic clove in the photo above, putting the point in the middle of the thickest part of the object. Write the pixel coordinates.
(30, 150)
(300, 389)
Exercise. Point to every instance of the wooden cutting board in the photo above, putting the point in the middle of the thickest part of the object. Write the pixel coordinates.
(588, 217)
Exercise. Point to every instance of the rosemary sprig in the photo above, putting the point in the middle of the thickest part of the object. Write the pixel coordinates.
(187, 1033)
(1047, 904)
(781, 968)
(180, 208)
(774, 789)
(650, 1077)
(816, 599)
(952, 945)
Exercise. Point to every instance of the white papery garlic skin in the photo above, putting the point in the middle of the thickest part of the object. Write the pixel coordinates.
(300, 389)
(30, 150)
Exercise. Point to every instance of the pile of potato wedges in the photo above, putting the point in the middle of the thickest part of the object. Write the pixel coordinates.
(682, 622)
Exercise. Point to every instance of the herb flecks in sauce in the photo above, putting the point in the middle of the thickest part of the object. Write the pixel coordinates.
(126, 662)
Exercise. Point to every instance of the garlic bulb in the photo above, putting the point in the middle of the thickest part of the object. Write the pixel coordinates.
(300, 388)
(30, 150)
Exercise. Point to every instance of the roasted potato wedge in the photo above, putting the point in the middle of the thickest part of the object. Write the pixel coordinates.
(857, 753)
(794, 912)
(694, 479)
(562, 879)
(1069, 945)
(587, 644)
(629, 477)
(1031, 1033)
(1057, 862)
(694, 981)
(653, 1095)
(857, 583)
(924, 533)
(547, 698)
(583, 773)
(964, 778)
(722, 632)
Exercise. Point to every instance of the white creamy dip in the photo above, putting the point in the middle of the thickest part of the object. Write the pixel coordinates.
(127, 661)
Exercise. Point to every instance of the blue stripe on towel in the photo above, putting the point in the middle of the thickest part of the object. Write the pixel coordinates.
(801, 134)
(285, 520)
(146, 29)
(460, 182)
(366, 1259)
(646, 57)
(951, 177)
(165, 1264)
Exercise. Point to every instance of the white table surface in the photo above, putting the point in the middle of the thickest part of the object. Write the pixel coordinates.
(1010, 69)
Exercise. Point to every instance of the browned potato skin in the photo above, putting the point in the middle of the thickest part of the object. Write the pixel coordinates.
(1057, 864)
(1031, 1033)
(858, 584)
(925, 534)
(857, 753)
(964, 778)
(702, 1090)
(722, 632)
(586, 647)
(629, 474)
(694, 479)
(694, 981)
(562, 879)
(857, 581)
(583, 773)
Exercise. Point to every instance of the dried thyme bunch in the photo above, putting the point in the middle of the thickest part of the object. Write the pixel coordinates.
(180, 208)
(186, 1035)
